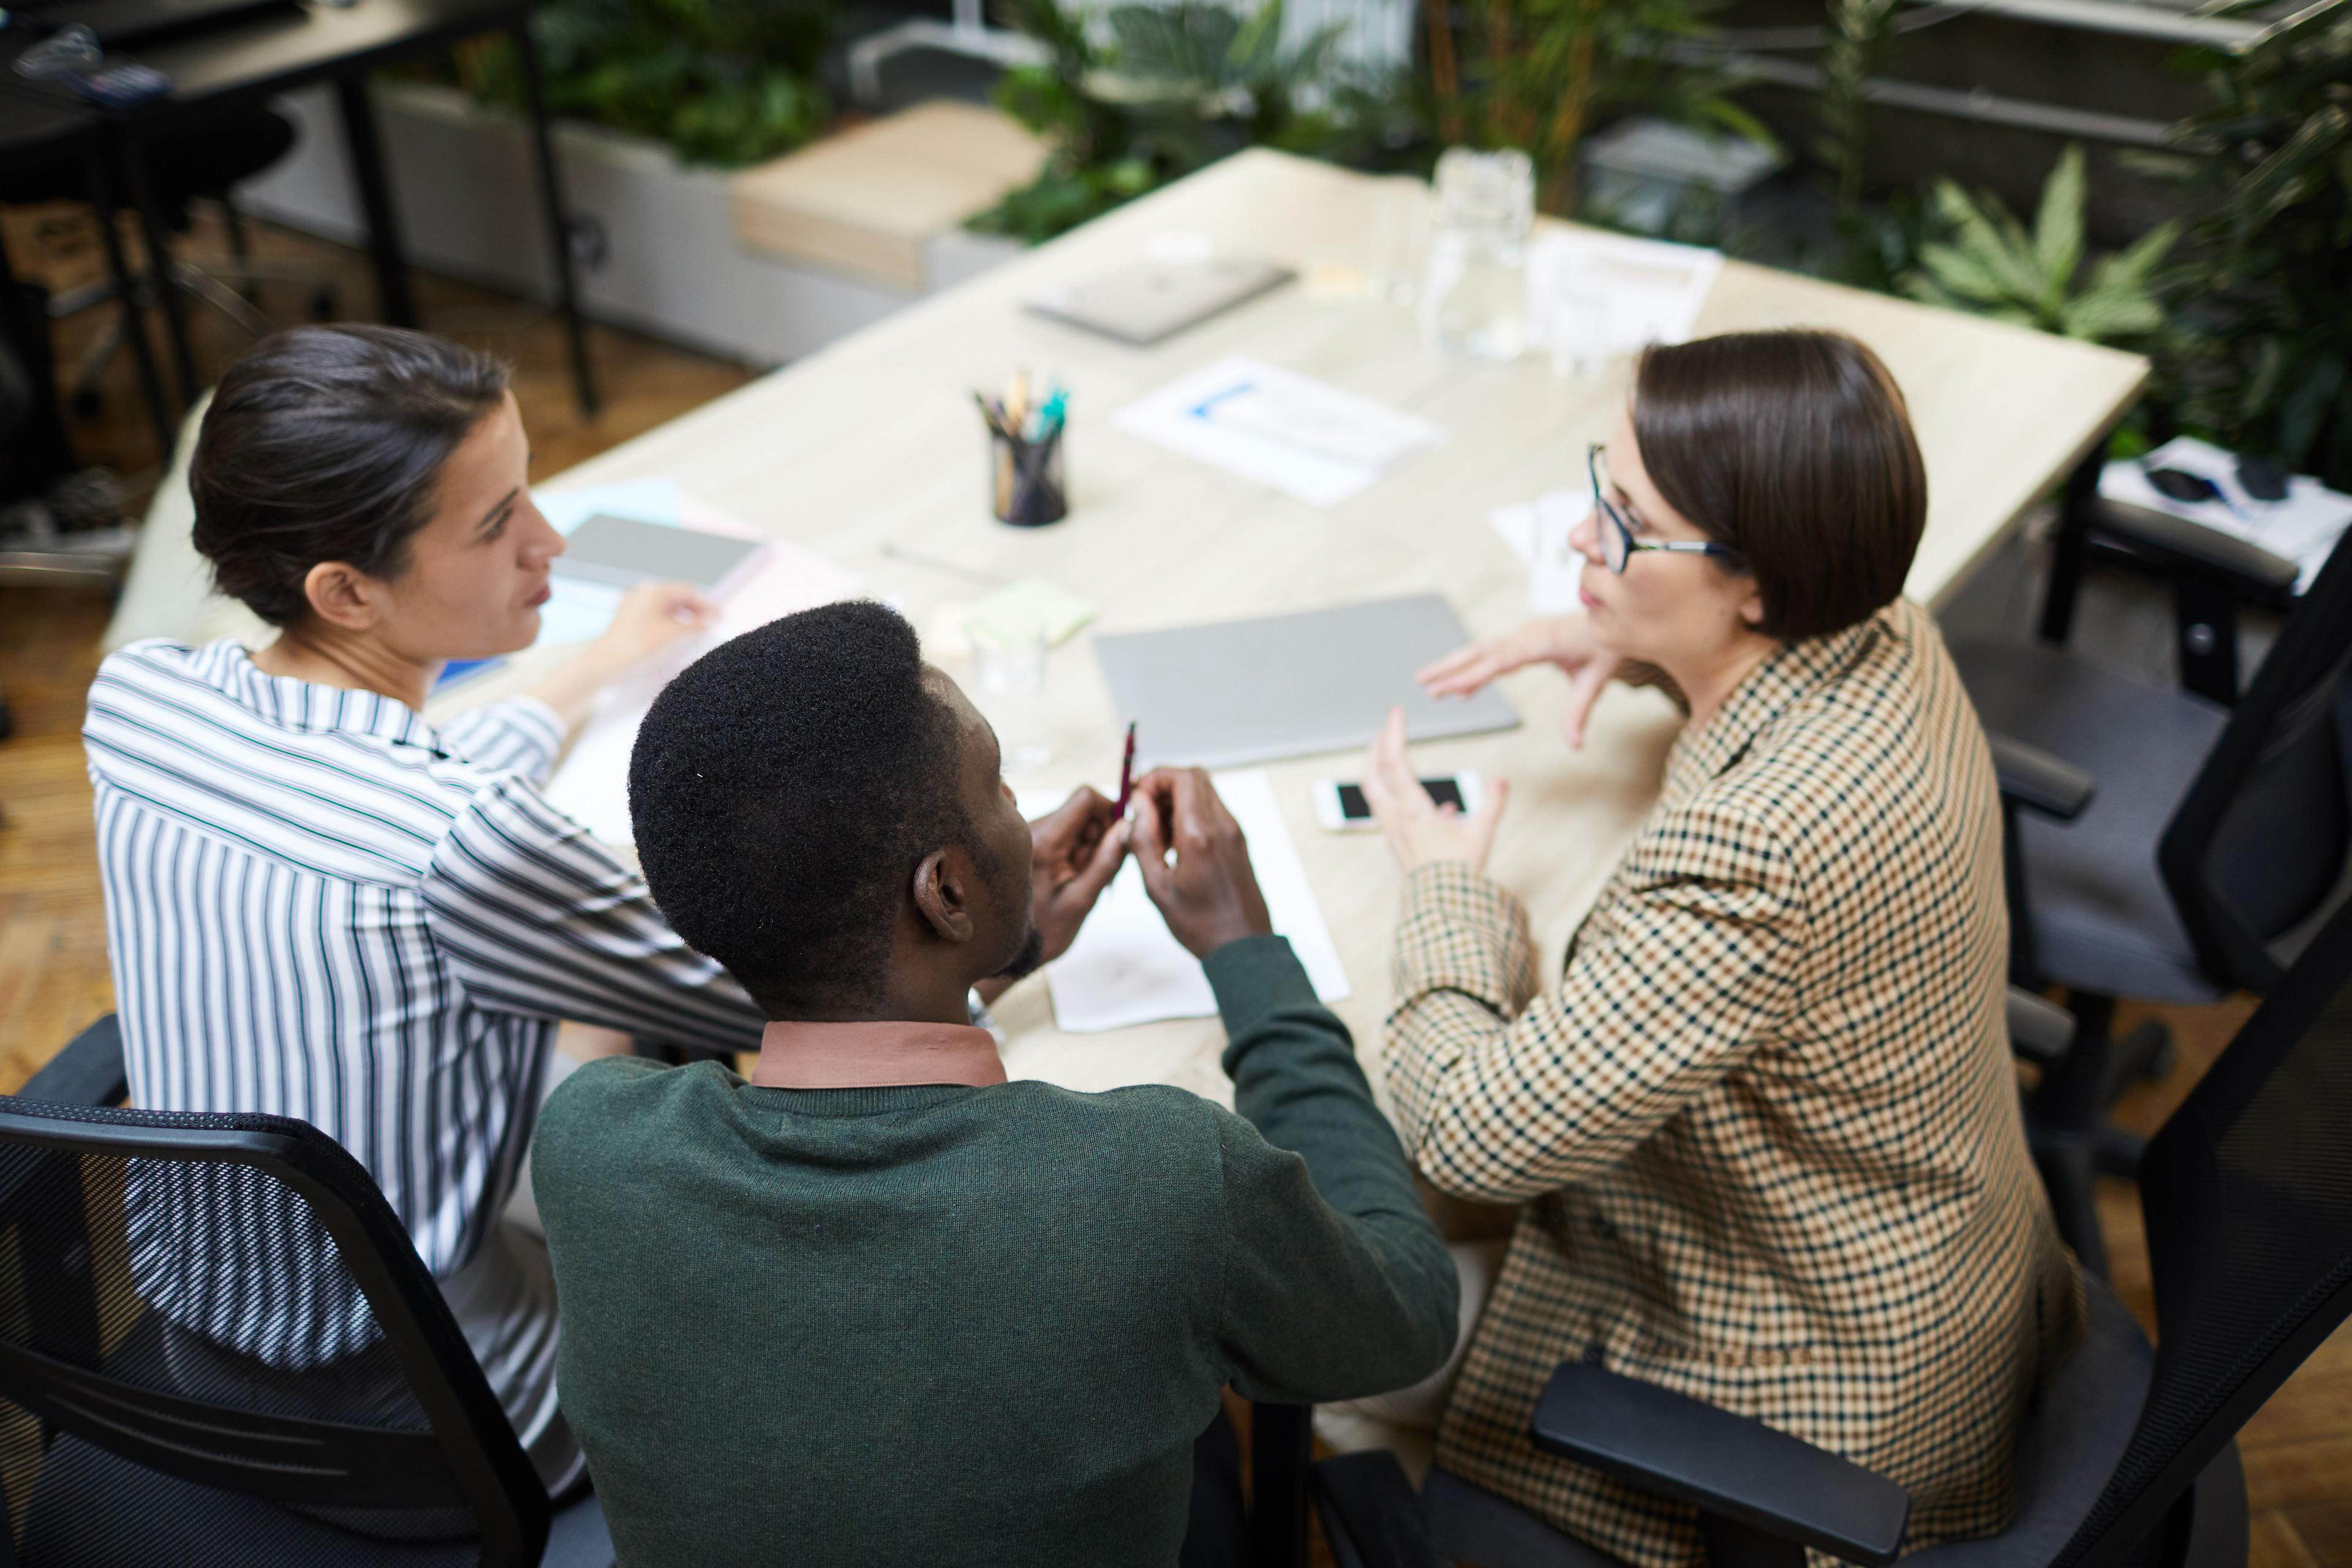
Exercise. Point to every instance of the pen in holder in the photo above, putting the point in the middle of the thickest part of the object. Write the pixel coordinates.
(1026, 488)
(1025, 482)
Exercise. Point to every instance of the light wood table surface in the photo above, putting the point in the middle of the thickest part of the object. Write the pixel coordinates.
(875, 442)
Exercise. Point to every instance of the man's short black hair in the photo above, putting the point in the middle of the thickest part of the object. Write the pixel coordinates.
(783, 790)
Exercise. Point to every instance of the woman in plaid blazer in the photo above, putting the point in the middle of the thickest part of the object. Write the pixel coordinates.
(1763, 1128)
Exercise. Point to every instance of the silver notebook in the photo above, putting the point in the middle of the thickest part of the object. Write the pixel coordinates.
(1151, 299)
(1290, 686)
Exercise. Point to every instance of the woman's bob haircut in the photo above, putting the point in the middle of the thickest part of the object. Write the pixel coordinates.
(1794, 448)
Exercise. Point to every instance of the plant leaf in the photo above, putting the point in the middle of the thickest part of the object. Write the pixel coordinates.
(1963, 272)
(2058, 226)
(2102, 315)
(1999, 251)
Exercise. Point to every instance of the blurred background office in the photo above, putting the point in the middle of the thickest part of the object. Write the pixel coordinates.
(646, 203)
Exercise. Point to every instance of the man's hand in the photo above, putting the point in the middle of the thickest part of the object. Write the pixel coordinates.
(1419, 830)
(1209, 896)
(1075, 852)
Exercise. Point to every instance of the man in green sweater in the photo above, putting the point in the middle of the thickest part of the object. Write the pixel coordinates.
(878, 1306)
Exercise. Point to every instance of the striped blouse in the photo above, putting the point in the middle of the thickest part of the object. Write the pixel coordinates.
(320, 906)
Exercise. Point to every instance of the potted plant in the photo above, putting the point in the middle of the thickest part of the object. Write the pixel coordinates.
(1168, 90)
(2261, 358)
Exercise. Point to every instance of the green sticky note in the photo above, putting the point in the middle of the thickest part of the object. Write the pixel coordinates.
(1033, 602)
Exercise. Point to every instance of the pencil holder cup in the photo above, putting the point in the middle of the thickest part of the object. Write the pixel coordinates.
(1026, 488)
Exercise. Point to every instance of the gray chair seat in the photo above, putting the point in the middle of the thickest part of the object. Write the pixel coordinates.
(2074, 1436)
(2104, 921)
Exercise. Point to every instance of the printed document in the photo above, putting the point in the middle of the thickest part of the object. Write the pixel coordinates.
(1290, 432)
(1538, 532)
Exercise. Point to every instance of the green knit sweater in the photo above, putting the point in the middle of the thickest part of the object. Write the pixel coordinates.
(957, 1325)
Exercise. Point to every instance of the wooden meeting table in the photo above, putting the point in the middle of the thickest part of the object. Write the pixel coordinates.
(871, 452)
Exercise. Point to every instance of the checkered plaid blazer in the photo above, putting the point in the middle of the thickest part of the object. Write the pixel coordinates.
(1765, 1127)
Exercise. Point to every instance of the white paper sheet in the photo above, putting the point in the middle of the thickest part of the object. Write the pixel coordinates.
(1124, 968)
(1592, 295)
(1297, 434)
(592, 786)
(2302, 528)
(1538, 532)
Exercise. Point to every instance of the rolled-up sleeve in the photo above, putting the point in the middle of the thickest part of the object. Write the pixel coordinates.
(1688, 963)
(522, 735)
(535, 917)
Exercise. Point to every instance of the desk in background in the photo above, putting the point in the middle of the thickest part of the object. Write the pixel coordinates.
(257, 58)
(873, 443)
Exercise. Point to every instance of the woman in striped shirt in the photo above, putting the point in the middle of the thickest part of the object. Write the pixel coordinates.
(320, 906)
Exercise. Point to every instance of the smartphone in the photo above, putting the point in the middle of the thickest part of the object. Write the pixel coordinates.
(1340, 806)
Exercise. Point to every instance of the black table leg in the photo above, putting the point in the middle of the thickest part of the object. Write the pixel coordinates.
(134, 324)
(395, 300)
(550, 191)
(2072, 541)
(157, 234)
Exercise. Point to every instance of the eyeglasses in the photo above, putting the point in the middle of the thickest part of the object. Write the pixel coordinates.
(1617, 542)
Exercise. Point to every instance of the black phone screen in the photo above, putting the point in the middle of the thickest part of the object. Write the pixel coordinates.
(1354, 808)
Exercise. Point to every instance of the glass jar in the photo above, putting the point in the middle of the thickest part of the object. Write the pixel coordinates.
(1473, 298)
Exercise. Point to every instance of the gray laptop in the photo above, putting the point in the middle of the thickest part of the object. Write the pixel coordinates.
(1290, 686)
(1152, 299)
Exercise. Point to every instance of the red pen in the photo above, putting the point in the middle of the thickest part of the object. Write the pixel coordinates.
(1126, 772)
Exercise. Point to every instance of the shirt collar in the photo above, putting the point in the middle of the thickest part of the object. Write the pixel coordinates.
(875, 1056)
(1789, 673)
(309, 706)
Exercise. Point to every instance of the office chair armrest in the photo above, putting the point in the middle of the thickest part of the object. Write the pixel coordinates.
(2178, 545)
(2032, 778)
(1733, 1467)
(1372, 1516)
(89, 1071)
(2037, 1031)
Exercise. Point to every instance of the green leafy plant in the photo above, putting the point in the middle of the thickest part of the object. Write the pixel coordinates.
(1549, 72)
(2261, 359)
(1853, 41)
(722, 81)
(1991, 266)
(1171, 89)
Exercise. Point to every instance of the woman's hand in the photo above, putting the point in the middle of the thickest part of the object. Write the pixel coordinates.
(651, 617)
(1419, 831)
(1562, 640)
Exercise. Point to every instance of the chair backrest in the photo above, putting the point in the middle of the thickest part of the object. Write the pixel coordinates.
(218, 1319)
(2247, 1196)
(2259, 853)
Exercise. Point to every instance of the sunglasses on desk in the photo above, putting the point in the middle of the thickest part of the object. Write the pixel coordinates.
(1618, 544)
(2258, 477)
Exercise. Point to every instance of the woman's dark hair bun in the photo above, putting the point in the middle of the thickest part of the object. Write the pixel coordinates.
(326, 443)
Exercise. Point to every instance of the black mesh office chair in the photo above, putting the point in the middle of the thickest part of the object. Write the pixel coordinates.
(2162, 846)
(219, 1350)
(2128, 1455)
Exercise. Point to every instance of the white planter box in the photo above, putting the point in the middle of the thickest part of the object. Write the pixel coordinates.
(463, 183)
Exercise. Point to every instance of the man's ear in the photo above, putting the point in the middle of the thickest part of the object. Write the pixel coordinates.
(943, 889)
(343, 595)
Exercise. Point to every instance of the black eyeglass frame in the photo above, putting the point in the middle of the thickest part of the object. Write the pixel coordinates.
(1627, 545)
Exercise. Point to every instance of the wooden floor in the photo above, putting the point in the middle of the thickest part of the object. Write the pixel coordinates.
(53, 966)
